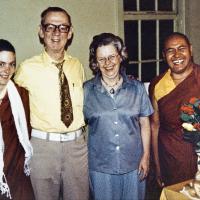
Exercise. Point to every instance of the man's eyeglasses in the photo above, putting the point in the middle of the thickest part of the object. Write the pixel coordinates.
(52, 28)
(111, 58)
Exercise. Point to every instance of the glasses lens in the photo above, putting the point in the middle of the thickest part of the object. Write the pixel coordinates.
(64, 28)
(49, 27)
(52, 27)
(110, 58)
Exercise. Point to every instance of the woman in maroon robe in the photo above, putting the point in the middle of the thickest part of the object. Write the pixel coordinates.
(14, 155)
(18, 182)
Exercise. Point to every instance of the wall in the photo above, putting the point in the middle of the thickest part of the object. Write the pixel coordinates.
(19, 24)
(192, 26)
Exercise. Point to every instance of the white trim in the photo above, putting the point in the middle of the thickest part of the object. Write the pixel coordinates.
(149, 15)
(119, 22)
(157, 47)
(181, 20)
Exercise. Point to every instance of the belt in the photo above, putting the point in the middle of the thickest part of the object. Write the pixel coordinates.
(59, 137)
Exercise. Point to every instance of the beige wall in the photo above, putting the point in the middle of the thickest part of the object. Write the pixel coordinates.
(192, 26)
(19, 21)
(19, 24)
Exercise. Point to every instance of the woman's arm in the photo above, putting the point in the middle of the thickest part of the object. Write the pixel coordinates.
(145, 134)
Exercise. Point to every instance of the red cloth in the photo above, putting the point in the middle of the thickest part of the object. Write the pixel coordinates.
(178, 159)
(19, 183)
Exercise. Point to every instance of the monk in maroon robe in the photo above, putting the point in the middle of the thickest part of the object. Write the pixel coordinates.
(175, 159)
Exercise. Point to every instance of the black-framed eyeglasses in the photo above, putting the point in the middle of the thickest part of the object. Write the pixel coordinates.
(63, 28)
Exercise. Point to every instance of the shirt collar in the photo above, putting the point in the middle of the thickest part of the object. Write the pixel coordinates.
(48, 60)
(97, 81)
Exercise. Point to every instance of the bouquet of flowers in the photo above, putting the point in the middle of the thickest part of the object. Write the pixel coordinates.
(190, 115)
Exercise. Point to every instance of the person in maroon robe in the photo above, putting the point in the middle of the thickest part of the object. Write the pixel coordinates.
(175, 159)
(14, 154)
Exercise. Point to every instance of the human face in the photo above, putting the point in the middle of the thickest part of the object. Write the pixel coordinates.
(55, 41)
(7, 67)
(178, 55)
(108, 61)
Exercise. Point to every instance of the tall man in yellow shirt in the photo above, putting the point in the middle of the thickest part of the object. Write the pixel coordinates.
(60, 151)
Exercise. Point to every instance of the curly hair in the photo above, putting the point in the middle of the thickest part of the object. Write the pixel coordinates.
(104, 39)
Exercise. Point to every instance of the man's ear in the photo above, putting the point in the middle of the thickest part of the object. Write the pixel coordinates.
(70, 33)
(191, 51)
(40, 32)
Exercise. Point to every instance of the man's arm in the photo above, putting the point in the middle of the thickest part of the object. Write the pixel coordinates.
(155, 124)
(145, 134)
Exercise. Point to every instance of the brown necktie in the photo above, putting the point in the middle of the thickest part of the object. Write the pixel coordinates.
(65, 99)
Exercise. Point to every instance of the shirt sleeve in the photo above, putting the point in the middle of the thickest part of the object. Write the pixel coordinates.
(83, 73)
(146, 107)
(20, 77)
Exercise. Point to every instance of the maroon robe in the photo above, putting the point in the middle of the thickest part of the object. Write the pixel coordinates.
(178, 160)
(18, 182)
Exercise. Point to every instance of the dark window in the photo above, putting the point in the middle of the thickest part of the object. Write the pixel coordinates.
(147, 5)
(148, 71)
(145, 30)
(132, 69)
(130, 5)
(166, 27)
(131, 39)
(148, 39)
(165, 5)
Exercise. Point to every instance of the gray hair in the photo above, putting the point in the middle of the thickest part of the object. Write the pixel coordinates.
(104, 39)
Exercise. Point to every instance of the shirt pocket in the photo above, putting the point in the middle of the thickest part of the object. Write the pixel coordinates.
(77, 94)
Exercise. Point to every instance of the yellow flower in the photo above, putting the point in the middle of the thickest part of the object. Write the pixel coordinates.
(188, 127)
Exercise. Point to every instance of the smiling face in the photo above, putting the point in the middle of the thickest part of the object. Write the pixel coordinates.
(7, 67)
(108, 61)
(178, 54)
(54, 40)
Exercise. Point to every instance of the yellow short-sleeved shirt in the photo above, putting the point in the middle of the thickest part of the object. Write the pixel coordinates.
(40, 77)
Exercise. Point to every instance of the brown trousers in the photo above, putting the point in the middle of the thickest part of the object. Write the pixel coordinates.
(60, 169)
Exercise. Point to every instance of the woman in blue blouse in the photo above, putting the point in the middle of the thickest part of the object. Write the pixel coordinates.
(116, 110)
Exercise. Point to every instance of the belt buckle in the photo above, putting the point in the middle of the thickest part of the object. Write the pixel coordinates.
(65, 138)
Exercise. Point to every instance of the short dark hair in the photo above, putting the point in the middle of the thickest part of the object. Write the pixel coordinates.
(54, 9)
(104, 39)
(5, 45)
(176, 34)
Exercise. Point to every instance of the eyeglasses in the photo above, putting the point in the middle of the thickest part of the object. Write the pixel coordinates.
(111, 58)
(52, 28)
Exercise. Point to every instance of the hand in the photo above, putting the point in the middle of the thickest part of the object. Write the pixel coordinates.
(159, 180)
(143, 167)
(27, 169)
